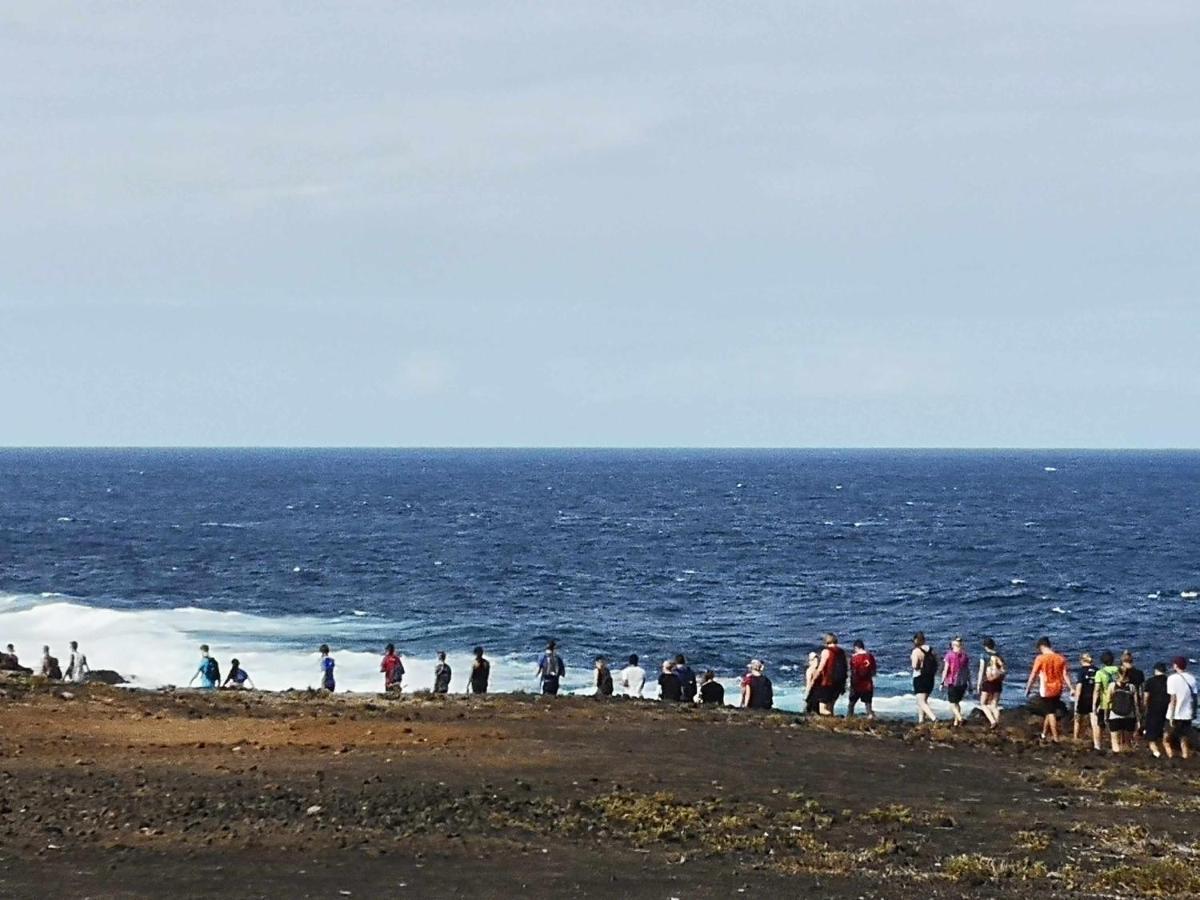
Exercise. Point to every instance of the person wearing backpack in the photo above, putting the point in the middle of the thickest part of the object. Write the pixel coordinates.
(832, 672)
(550, 669)
(1181, 709)
(1105, 678)
(956, 667)
(209, 671)
(757, 691)
(1085, 700)
(50, 666)
(992, 672)
(924, 672)
(1050, 672)
(1122, 711)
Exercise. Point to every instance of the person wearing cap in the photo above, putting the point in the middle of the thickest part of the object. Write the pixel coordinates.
(1085, 700)
(1181, 708)
(757, 692)
(670, 688)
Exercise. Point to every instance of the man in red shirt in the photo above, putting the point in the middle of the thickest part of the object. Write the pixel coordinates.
(392, 668)
(862, 679)
(1050, 672)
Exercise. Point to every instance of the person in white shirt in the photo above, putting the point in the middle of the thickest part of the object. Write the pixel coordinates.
(1181, 708)
(77, 667)
(633, 677)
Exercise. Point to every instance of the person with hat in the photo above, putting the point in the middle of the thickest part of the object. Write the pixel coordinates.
(757, 692)
(550, 669)
(1181, 708)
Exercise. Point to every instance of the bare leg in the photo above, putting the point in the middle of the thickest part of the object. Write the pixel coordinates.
(924, 712)
(1095, 731)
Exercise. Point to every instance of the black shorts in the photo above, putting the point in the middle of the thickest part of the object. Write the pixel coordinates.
(1156, 724)
(866, 697)
(1101, 716)
(1122, 725)
(955, 694)
(923, 684)
(1180, 729)
(1047, 706)
(827, 695)
(550, 686)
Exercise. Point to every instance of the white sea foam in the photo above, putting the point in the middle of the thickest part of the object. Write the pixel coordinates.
(1189, 595)
(1051, 469)
(1059, 610)
(1017, 581)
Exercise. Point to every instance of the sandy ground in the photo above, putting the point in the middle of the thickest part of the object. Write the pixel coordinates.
(113, 793)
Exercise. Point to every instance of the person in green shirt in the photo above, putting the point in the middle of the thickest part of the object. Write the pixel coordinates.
(1107, 676)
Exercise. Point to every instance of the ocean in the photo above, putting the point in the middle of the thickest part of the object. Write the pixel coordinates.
(141, 555)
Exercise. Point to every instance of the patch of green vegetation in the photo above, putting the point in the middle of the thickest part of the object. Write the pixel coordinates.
(1033, 841)
(893, 813)
(1073, 780)
(1152, 878)
(979, 870)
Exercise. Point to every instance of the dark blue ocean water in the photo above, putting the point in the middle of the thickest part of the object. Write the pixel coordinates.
(722, 555)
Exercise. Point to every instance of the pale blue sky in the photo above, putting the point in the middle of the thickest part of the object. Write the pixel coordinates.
(776, 224)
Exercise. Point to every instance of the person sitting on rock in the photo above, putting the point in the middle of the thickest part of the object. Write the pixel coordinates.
(237, 678)
(50, 667)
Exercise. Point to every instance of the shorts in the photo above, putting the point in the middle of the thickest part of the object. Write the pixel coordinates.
(550, 686)
(864, 697)
(1047, 706)
(826, 694)
(955, 694)
(923, 684)
(992, 687)
(1156, 724)
(1180, 729)
(1101, 716)
(1122, 725)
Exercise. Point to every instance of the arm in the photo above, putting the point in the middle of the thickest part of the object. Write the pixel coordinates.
(1033, 674)
(915, 659)
(745, 695)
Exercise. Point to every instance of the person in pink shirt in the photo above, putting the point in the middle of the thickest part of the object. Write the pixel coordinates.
(956, 677)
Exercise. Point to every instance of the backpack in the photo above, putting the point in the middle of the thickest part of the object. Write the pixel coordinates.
(55, 671)
(840, 669)
(929, 664)
(212, 671)
(995, 669)
(1123, 705)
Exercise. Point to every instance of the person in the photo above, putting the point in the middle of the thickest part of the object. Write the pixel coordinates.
(481, 671)
(832, 671)
(328, 683)
(237, 678)
(1181, 687)
(1106, 676)
(77, 666)
(50, 667)
(9, 662)
(669, 686)
(712, 692)
(441, 674)
(1050, 673)
(604, 679)
(550, 669)
(1138, 679)
(209, 671)
(812, 703)
(757, 691)
(1085, 700)
(924, 672)
(863, 670)
(956, 675)
(992, 672)
(392, 667)
(1158, 705)
(687, 678)
(633, 677)
(1122, 710)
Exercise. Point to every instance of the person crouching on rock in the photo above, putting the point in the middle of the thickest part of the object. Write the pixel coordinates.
(50, 666)
(237, 678)
(604, 679)
(441, 674)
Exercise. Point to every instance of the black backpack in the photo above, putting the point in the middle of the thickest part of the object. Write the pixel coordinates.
(929, 664)
(841, 669)
(212, 671)
(1123, 704)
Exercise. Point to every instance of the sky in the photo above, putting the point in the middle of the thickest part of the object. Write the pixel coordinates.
(600, 224)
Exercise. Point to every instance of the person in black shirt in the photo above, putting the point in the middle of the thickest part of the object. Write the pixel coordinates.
(757, 692)
(481, 670)
(1137, 678)
(1085, 699)
(1158, 701)
(712, 692)
(669, 685)
(687, 678)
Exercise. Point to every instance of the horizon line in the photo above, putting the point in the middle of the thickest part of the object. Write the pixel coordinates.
(624, 447)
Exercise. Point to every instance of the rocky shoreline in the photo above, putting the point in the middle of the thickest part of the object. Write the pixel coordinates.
(114, 793)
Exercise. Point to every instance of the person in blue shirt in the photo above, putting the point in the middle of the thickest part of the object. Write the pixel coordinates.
(237, 679)
(208, 671)
(327, 682)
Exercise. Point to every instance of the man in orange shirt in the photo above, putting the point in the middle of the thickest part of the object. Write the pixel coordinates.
(1050, 671)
